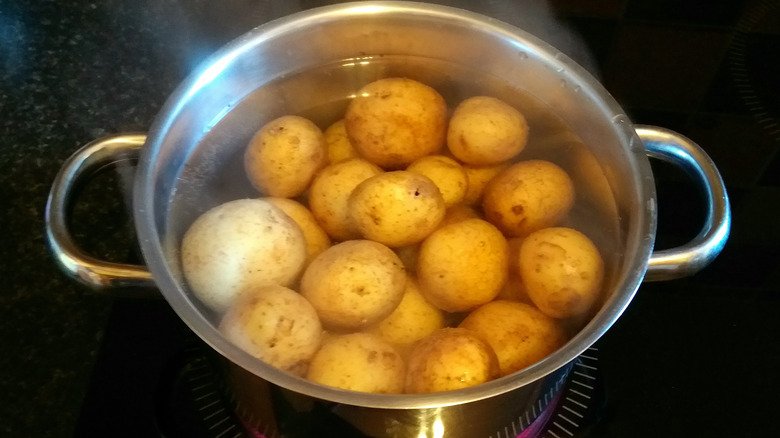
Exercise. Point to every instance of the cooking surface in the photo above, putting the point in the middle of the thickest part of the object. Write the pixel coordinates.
(691, 357)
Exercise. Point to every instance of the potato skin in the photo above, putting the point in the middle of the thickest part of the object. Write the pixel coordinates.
(528, 196)
(396, 208)
(450, 359)
(276, 325)
(413, 319)
(562, 271)
(338, 144)
(284, 155)
(354, 284)
(240, 244)
(463, 265)
(478, 177)
(485, 131)
(329, 196)
(519, 334)
(394, 121)
(317, 239)
(448, 175)
(358, 362)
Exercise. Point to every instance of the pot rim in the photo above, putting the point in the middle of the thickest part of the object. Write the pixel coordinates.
(641, 235)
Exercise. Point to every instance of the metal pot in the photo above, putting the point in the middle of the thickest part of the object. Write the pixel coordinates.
(190, 161)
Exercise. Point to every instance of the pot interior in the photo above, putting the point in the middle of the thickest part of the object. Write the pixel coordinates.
(312, 64)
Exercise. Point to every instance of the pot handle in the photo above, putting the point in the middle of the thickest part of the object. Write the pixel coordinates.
(688, 259)
(78, 168)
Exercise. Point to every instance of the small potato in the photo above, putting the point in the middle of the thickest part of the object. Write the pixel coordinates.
(413, 319)
(448, 175)
(562, 271)
(458, 213)
(317, 239)
(450, 359)
(354, 284)
(238, 245)
(408, 255)
(514, 289)
(358, 362)
(329, 193)
(284, 155)
(276, 325)
(338, 144)
(528, 196)
(396, 208)
(485, 131)
(463, 265)
(519, 334)
(394, 121)
(478, 177)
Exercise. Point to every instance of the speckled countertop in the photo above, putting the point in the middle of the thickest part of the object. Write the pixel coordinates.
(75, 71)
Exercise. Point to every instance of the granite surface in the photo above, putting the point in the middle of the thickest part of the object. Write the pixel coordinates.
(75, 71)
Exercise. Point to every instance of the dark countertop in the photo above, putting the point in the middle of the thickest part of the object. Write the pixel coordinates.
(691, 357)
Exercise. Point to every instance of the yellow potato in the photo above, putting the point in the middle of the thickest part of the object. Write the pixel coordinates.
(283, 157)
(514, 289)
(317, 239)
(528, 196)
(329, 193)
(358, 362)
(396, 208)
(276, 325)
(354, 284)
(450, 359)
(562, 271)
(485, 131)
(394, 121)
(413, 319)
(478, 177)
(458, 213)
(448, 175)
(519, 334)
(238, 245)
(408, 255)
(462, 265)
(338, 144)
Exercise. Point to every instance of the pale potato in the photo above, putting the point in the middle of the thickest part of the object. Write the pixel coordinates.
(358, 362)
(338, 144)
(238, 245)
(394, 121)
(450, 359)
(396, 208)
(562, 271)
(354, 284)
(329, 195)
(284, 155)
(413, 319)
(478, 177)
(463, 265)
(317, 239)
(528, 196)
(484, 131)
(448, 175)
(519, 333)
(276, 325)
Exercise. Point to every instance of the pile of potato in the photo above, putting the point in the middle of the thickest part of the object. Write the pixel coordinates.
(406, 249)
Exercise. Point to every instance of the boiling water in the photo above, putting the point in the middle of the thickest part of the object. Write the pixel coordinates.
(214, 173)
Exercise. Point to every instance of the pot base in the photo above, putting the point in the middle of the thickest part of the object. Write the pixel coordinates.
(196, 404)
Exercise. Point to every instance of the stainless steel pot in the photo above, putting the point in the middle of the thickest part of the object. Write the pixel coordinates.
(190, 161)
